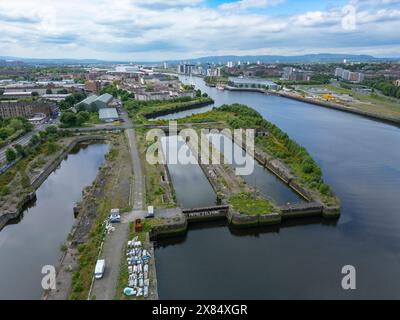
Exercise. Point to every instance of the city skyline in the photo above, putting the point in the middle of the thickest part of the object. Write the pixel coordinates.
(183, 29)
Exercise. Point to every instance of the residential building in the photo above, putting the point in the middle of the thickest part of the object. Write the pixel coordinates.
(27, 109)
(92, 86)
(214, 72)
(349, 75)
(293, 74)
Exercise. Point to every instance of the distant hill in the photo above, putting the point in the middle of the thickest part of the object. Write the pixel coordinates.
(33, 61)
(308, 58)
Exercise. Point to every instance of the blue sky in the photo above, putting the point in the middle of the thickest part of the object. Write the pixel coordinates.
(181, 29)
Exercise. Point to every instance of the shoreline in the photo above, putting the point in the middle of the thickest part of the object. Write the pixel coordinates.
(334, 106)
(155, 114)
(39, 180)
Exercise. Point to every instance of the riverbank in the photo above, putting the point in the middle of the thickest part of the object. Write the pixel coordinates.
(370, 115)
(38, 175)
(276, 151)
(326, 104)
(141, 111)
(110, 189)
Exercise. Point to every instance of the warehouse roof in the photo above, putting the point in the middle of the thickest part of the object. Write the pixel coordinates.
(108, 113)
(106, 98)
(89, 100)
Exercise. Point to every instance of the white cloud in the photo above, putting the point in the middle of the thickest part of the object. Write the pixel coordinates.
(167, 29)
(246, 4)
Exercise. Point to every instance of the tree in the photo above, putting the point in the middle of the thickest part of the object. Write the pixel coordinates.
(10, 155)
(49, 91)
(68, 118)
(20, 150)
(16, 124)
(34, 140)
(35, 94)
(51, 130)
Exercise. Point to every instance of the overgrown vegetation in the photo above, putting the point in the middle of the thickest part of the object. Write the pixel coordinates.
(247, 203)
(140, 110)
(277, 144)
(12, 128)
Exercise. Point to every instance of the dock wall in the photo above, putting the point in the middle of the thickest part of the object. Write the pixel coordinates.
(37, 182)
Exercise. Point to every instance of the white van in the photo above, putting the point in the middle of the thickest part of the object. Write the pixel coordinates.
(99, 270)
(150, 212)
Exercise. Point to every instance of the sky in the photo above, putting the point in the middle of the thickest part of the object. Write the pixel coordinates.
(157, 30)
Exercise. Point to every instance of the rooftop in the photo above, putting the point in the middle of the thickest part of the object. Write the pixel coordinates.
(108, 113)
(106, 98)
(89, 100)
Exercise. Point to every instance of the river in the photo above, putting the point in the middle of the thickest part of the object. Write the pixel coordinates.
(360, 159)
(35, 240)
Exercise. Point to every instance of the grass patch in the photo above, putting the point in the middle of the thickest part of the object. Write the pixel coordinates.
(246, 203)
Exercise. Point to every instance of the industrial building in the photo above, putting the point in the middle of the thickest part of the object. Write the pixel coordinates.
(100, 102)
(252, 83)
(108, 115)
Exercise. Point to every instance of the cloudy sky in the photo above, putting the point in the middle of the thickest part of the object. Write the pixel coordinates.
(146, 30)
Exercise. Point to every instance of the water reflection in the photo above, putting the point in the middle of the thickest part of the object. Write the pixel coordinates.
(34, 240)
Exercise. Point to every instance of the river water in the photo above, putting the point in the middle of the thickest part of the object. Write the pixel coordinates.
(36, 238)
(360, 159)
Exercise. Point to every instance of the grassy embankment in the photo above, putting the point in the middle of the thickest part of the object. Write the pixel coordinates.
(139, 111)
(373, 103)
(114, 194)
(276, 144)
(159, 192)
(15, 183)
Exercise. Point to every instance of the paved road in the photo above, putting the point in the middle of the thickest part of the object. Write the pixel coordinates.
(113, 251)
(114, 244)
(137, 171)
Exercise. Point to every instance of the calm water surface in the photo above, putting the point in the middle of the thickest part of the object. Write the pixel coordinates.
(360, 159)
(35, 240)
